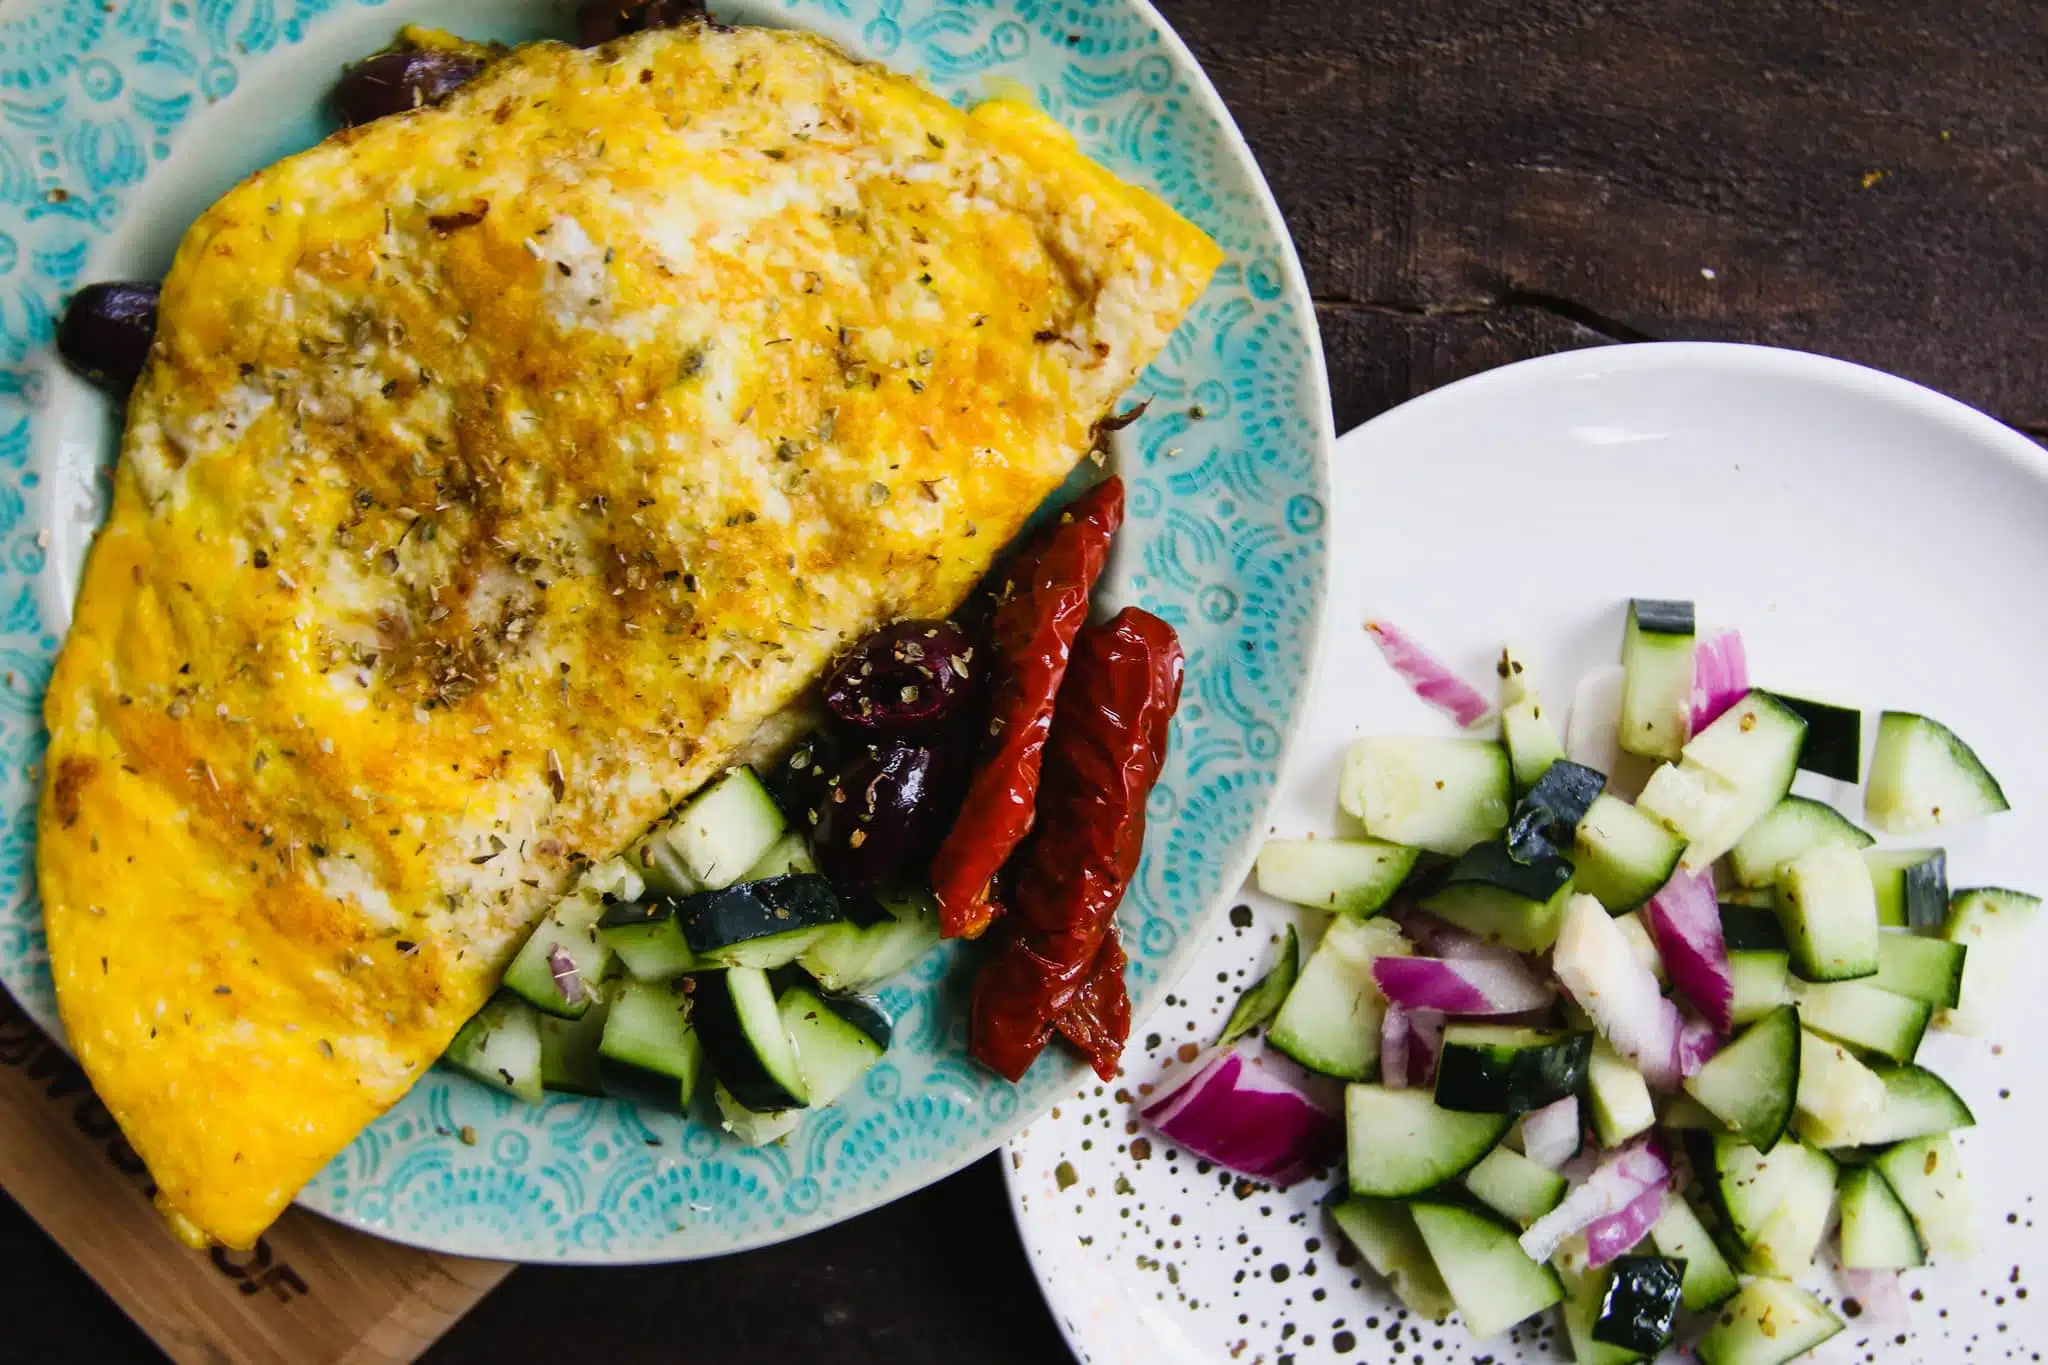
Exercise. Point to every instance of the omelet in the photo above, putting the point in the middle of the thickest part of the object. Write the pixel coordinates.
(501, 470)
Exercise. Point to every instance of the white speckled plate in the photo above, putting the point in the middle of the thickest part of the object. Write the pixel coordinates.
(1875, 542)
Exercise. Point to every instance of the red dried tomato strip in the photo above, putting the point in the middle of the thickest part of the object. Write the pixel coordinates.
(1099, 1020)
(1031, 636)
(1108, 745)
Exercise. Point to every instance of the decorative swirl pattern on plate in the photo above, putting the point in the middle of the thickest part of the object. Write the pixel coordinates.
(1225, 540)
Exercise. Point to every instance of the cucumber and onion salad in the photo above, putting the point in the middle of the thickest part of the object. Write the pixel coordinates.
(712, 948)
(1630, 1059)
(727, 948)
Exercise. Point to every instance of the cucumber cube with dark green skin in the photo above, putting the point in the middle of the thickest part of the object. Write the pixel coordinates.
(744, 1040)
(650, 1051)
(1679, 1235)
(1500, 1069)
(1656, 696)
(1768, 1323)
(648, 937)
(1641, 1303)
(1929, 969)
(1877, 1232)
(1787, 830)
(1546, 818)
(1834, 738)
(1911, 886)
(1621, 856)
(1922, 775)
(1752, 1084)
(720, 926)
(1491, 893)
(1400, 1143)
(1758, 961)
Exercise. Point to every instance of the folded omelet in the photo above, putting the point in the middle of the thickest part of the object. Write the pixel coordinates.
(502, 470)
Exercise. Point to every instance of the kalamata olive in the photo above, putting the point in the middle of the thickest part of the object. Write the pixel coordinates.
(802, 780)
(393, 82)
(106, 333)
(908, 678)
(600, 21)
(885, 809)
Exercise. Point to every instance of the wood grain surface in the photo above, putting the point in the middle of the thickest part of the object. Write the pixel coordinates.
(1470, 182)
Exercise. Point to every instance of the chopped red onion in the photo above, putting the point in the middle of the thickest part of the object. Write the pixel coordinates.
(1249, 1115)
(1427, 677)
(1460, 985)
(1882, 1297)
(1410, 1041)
(1550, 1135)
(568, 979)
(1593, 734)
(1617, 1233)
(1685, 923)
(1625, 1176)
(1720, 677)
(1594, 963)
(1697, 1044)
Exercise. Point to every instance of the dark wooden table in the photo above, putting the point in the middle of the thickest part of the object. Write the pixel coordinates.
(1470, 182)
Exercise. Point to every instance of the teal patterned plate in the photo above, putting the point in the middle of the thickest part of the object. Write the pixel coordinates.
(120, 120)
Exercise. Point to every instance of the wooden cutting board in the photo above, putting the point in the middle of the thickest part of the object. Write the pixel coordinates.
(311, 1292)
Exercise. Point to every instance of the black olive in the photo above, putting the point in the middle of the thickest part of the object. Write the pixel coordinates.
(600, 21)
(908, 678)
(106, 333)
(881, 816)
(393, 82)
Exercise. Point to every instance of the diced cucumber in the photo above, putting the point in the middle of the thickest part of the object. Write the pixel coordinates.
(1829, 914)
(1788, 829)
(726, 829)
(1867, 1017)
(750, 1052)
(1515, 1187)
(648, 937)
(854, 957)
(1758, 961)
(649, 1051)
(1620, 855)
(758, 924)
(1618, 1097)
(1928, 1179)
(558, 968)
(1752, 1083)
(1503, 1069)
(1696, 806)
(1925, 969)
(1680, 1112)
(1530, 736)
(1444, 795)
(1753, 746)
(1917, 1103)
(1837, 1093)
(1922, 775)
(1877, 1232)
(500, 1046)
(1583, 1296)
(1343, 876)
(1399, 1143)
(1640, 1304)
(1783, 1235)
(568, 1049)
(1769, 1322)
(612, 879)
(1491, 1279)
(1656, 693)
(1261, 1000)
(786, 857)
(1834, 738)
(659, 866)
(1330, 1021)
(1488, 892)
(832, 1053)
(1385, 1235)
(1547, 815)
(1744, 1184)
(1679, 1234)
(1993, 924)
(1911, 885)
